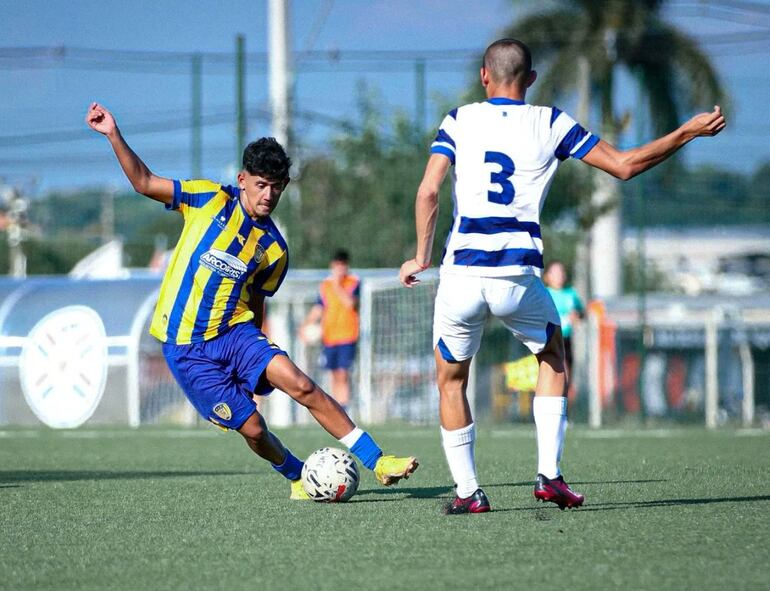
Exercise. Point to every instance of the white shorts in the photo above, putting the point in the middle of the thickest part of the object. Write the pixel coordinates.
(463, 303)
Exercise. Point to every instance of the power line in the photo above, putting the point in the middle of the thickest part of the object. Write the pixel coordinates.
(171, 124)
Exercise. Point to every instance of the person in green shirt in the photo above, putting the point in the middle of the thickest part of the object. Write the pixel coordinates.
(567, 302)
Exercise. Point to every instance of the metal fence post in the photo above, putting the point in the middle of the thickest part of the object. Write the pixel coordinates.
(712, 368)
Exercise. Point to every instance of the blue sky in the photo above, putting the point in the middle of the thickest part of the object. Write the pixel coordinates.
(49, 96)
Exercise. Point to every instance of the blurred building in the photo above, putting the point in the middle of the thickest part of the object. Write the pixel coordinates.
(729, 260)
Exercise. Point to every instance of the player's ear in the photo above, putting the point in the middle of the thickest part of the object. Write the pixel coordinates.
(484, 75)
(241, 180)
(531, 78)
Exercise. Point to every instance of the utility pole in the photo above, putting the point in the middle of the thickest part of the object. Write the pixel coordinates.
(107, 215)
(17, 220)
(280, 71)
(640, 246)
(240, 98)
(606, 233)
(196, 122)
(582, 255)
(420, 93)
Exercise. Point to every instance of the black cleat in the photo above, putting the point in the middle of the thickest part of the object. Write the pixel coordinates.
(555, 490)
(476, 503)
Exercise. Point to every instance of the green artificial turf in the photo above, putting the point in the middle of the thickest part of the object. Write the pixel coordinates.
(164, 509)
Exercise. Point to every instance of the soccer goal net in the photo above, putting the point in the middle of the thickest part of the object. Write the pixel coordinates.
(396, 373)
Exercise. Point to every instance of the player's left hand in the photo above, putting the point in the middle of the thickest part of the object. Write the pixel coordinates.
(707, 124)
(409, 271)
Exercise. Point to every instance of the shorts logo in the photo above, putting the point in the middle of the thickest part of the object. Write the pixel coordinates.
(259, 253)
(223, 264)
(223, 411)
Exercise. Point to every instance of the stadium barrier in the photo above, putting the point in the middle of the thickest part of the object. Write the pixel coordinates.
(684, 359)
(79, 351)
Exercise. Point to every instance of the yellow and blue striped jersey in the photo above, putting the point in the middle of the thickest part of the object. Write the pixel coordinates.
(223, 257)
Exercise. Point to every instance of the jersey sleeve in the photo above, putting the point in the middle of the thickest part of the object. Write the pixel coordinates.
(568, 137)
(445, 138)
(192, 194)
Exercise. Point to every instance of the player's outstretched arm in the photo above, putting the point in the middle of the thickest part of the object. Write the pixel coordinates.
(426, 214)
(142, 179)
(626, 164)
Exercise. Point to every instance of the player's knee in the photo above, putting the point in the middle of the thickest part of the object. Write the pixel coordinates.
(553, 356)
(253, 431)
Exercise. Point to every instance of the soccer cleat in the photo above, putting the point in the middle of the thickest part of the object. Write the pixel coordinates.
(555, 490)
(390, 469)
(476, 503)
(298, 491)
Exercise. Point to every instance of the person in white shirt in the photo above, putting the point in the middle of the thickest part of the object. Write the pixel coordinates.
(505, 153)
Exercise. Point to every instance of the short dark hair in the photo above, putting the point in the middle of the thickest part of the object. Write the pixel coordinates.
(267, 158)
(341, 256)
(508, 61)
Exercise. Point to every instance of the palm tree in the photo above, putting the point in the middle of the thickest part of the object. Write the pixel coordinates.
(593, 39)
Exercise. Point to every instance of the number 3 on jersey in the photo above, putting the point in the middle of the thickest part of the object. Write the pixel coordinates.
(506, 195)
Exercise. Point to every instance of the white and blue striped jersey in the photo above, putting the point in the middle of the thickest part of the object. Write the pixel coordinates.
(505, 153)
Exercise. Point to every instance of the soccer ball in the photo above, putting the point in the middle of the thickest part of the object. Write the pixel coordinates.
(330, 475)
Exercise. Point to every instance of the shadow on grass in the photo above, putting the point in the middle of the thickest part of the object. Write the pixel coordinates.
(538, 509)
(13, 477)
(425, 492)
(432, 492)
(672, 503)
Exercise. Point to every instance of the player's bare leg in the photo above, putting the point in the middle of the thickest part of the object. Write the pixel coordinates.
(550, 411)
(453, 408)
(261, 441)
(266, 445)
(458, 435)
(341, 386)
(284, 375)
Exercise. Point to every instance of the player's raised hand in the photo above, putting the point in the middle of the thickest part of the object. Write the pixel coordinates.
(409, 271)
(100, 119)
(707, 124)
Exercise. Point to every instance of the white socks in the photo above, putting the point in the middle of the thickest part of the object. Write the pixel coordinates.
(351, 438)
(459, 450)
(551, 422)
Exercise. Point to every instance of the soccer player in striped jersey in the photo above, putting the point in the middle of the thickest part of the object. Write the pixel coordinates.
(229, 257)
(505, 153)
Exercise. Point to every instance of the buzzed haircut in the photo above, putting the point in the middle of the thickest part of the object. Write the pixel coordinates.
(508, 61)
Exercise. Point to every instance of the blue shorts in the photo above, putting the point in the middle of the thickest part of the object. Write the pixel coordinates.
(219, 376)
(338, 356)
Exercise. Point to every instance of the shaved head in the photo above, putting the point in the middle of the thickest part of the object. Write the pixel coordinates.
(508, 61)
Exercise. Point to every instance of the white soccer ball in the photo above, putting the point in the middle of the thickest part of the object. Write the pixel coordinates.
(330, 475)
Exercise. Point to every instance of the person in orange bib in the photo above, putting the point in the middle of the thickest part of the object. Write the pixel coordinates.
(337, 311)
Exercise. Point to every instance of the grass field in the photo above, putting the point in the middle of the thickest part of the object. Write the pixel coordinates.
(163, 509)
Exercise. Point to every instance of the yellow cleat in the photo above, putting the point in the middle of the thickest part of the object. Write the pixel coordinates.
(298, 492)
(390, 469)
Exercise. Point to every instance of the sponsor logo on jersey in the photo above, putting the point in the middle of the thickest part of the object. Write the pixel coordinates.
(223, 264)
(223, 411)
(259, 253)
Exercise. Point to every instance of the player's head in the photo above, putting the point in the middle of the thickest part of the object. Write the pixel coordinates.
(267, 158)
(555, 274)
(507, 63)
(264, 176)
(340, 262)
